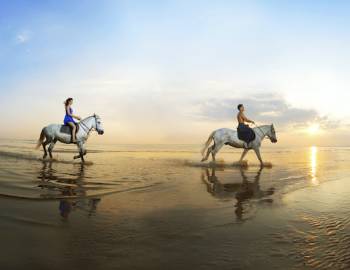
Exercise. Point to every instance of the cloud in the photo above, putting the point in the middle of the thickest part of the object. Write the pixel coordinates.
(23, 37)
(263, 108)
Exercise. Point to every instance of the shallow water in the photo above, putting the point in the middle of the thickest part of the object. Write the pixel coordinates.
(157, 206)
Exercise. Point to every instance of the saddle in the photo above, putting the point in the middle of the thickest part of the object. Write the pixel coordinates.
(68, 130)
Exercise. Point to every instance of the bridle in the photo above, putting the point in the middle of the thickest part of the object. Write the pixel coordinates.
(85, 127)
(263, 133)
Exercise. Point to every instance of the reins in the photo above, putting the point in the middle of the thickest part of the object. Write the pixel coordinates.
(263, 133)
(85, 127)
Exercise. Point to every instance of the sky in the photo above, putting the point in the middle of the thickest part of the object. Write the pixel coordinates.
(173, 71)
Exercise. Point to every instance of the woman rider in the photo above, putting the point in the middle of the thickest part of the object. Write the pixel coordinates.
(69, 118)
(245, 133)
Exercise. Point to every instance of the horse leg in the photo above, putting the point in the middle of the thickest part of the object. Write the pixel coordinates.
(51, 146)
(216, 150)
(47, 141)
(44, 147)
(245, 151)
(208, 152)
(81, 151)
(257, 152)
(82, 156)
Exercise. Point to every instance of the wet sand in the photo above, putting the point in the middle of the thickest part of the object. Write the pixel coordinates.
(159, 208)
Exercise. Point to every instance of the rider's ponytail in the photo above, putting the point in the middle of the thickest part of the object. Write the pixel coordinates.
(66, 103)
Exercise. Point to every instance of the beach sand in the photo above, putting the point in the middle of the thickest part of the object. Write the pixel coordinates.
(158, 207)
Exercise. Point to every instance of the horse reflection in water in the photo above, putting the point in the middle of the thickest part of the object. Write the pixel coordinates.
(244, 191)
(71, 192)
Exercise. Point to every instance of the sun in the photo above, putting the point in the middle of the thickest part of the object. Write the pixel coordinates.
(313, 129)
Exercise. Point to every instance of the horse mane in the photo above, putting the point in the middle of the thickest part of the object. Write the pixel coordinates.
(262, 126)
(89, 117)
(262, 129)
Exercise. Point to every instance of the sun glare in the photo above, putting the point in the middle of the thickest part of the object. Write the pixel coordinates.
(313, 165)
(313, 129)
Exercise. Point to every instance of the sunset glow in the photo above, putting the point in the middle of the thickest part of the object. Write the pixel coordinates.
(313, 129)
(174, 134)
(173, 76)
(313, 165)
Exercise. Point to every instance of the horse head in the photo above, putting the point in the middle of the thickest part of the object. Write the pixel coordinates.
(272, 134)
(98, 124)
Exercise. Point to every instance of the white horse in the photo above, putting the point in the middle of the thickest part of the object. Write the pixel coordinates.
(225, 136)
(55, 132)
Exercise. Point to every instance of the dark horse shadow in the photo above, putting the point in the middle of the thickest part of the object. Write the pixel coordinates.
(69, 188)
(244, 190)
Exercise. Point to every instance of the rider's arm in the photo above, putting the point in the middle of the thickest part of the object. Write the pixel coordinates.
(247, 119)
(70, 114)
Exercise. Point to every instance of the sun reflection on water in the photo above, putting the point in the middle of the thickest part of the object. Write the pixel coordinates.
(313, 165)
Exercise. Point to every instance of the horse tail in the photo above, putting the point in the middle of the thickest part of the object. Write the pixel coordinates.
(207, 143)
(41, 139)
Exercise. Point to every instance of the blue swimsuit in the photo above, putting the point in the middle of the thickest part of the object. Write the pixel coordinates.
(68, 118)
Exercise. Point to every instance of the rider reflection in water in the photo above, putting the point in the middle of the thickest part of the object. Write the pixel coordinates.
(245, 133)
(246, 192)
(71, 188)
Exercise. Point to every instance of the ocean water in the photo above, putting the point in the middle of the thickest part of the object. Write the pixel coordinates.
(157, 207)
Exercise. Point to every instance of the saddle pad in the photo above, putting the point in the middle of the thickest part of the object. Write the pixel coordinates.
(66, 129)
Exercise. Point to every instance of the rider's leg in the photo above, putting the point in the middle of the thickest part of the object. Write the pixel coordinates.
(74, 128)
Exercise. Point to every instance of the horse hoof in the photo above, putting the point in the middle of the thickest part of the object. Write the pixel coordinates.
(266, 165)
